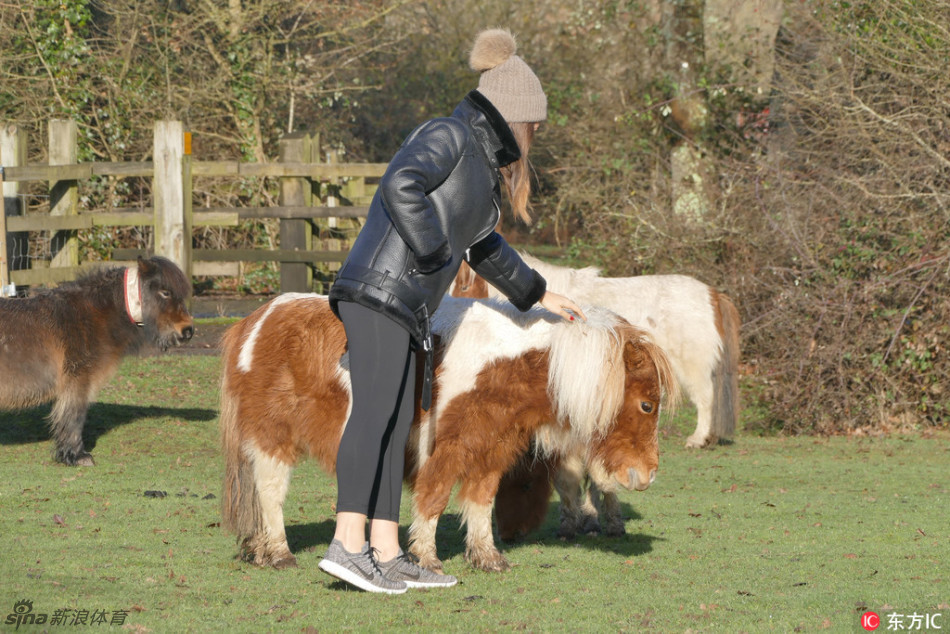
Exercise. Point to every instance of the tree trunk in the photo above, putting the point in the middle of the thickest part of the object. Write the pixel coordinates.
(739, 34)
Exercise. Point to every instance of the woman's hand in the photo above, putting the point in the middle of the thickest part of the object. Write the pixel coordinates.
(560, 305)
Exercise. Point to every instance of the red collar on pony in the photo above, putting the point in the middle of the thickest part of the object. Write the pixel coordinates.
(133, 296)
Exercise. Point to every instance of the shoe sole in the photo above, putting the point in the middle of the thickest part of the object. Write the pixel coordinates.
(345, 574)
(431, 584)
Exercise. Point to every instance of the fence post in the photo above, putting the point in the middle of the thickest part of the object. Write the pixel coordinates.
(4, 270)
(64, 194)
(172, 225)
(14, 246)
(188, 188)
(295, 234)
(333, 189)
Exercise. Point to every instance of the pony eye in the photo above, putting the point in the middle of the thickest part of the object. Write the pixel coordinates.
(165, 294)
(646, 407)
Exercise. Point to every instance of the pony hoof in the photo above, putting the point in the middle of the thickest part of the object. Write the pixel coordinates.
(698, 442)
(285, 562)
(70, 459)
(566, 534)
(495, 565)
(615, 531)
(591, 526)
(426, 558)
(494, 562)
(434, 564)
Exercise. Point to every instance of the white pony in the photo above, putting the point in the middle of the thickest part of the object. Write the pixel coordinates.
(695, 325)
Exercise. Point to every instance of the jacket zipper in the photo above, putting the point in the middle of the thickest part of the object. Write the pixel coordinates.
(491, 227)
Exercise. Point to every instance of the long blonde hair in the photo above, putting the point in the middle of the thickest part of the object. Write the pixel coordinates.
(517, 175)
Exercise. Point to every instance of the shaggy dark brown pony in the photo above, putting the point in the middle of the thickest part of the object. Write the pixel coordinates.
(64, 344)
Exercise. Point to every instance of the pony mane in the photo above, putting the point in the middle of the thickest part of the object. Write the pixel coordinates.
(664, 367)
(586, 374)
(98, 280)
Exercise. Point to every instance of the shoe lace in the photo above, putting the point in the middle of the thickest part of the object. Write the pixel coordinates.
(412, 562)
(373, 555)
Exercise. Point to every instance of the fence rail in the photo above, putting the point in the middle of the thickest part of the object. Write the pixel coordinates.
(172, 215)
(78, 171)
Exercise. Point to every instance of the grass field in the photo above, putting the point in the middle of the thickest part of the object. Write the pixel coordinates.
(765, 534)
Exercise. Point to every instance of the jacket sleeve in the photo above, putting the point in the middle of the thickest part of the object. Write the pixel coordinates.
(503, 268)
(423, 162)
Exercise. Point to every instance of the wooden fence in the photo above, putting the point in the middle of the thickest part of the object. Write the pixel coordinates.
(173, 215)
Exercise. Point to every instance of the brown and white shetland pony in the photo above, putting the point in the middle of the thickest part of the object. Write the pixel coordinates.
(697, 327)
(65, 343)
(503, 380)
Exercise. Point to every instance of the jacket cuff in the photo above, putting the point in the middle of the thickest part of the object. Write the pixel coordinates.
(538, 288)
(435, 260)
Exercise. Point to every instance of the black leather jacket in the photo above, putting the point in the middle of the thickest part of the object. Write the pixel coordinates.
(438, 202)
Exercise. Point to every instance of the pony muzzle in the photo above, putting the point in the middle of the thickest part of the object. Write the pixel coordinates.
(186, 332)
(640, 481)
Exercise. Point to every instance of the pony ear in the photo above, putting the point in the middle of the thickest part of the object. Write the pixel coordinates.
(146, 267)
(633, 355)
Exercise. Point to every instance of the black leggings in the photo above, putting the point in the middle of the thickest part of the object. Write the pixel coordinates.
(371, 458)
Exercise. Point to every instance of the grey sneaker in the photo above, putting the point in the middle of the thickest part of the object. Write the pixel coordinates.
(358, 569)
(405, 569)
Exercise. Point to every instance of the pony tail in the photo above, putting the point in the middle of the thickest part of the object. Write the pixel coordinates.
(726, 374)
(240, 502)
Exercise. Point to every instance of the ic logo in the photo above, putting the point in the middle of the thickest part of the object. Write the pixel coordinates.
(870, 621)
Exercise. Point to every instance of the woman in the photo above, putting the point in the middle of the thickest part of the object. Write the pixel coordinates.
(437, 204)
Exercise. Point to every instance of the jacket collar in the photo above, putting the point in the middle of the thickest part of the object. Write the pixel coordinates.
(490, 128)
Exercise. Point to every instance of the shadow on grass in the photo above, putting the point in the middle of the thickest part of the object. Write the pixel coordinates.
(314, 538)
(627, 545)
(450, 538)
(29, 425)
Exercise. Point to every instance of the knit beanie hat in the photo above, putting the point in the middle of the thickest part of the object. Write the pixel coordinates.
(505, 79)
